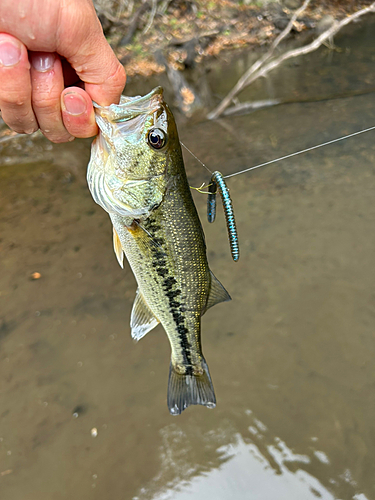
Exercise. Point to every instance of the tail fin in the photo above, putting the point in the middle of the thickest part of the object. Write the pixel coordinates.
(186, 390)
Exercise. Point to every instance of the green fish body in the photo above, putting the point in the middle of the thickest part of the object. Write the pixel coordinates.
(136, 173)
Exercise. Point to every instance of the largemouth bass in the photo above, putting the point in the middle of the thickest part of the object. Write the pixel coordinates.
(136, 173)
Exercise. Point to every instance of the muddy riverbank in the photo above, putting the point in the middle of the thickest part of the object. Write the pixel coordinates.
(193, 32)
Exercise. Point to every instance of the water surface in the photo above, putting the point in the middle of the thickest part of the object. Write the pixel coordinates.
(83, 408)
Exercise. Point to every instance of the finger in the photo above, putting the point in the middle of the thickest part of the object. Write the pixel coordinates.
(47, 83)
(90, 55)
(78, 112)
(15, 86)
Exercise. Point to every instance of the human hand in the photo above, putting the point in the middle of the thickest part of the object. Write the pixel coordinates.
(45, 47)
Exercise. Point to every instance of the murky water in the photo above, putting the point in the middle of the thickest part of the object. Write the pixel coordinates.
(83, 408)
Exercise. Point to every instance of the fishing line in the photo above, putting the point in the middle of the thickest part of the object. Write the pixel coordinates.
(192, 154)
(217, 182)
(299, 152)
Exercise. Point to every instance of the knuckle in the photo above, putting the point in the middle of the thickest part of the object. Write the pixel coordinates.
(46, 103)
(122, 73)
(23, 120)
(23, 129)
(119, 77)
(22, 123)
(31, 129)
(12, 101)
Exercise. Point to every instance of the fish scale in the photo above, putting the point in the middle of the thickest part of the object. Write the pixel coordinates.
(156, 226)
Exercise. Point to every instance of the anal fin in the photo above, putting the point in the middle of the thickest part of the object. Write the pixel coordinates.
(142, 319)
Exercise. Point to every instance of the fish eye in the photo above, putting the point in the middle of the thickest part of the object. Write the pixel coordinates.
(157, 138)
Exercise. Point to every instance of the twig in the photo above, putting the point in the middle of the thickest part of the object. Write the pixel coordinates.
(244, 107)
(263, 69)
(164, 6)
(107, 14)
(121, 9)
(130, 8)
(151, 18)
(133, 25)
(315, 44)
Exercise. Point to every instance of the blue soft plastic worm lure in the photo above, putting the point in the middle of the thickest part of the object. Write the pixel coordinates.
(218, 182)
(211, 201)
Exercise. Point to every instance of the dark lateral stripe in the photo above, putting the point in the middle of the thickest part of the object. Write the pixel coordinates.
(175, 306)
(179, 319)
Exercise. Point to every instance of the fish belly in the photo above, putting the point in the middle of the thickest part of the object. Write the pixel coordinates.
(173, 278)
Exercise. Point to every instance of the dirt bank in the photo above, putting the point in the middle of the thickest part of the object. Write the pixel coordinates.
(147, 35)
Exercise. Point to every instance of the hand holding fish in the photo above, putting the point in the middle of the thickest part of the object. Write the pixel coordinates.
(46, 46)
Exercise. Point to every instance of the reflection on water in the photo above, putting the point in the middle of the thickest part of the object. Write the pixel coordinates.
(245, 470)
(253, 465)
(296, 345)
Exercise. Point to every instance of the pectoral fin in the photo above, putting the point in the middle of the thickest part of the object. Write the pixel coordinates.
(216, 294)
(142, 320)
(118, 248)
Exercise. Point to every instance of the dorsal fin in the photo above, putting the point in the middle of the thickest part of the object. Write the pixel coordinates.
(216, 294)
(118, 248)
(142, 320)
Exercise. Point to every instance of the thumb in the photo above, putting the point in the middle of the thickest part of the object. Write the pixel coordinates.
(82, 42)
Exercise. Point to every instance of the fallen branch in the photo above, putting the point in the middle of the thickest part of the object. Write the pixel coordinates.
(245, 107)
(260, 69)
(281, 37)
(242, 82)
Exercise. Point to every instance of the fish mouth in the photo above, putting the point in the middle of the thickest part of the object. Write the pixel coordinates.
(122, 127)
(129, 107)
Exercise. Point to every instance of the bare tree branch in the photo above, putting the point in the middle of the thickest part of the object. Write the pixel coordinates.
(242, 82)
(151, 18)
(261, 69)
(286, 31)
